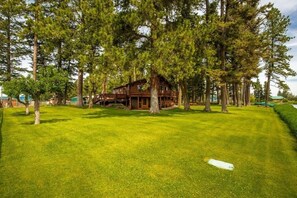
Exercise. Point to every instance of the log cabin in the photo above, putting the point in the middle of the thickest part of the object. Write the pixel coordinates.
(136, 95)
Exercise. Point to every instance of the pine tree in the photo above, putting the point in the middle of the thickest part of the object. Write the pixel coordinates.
(34, 30)
(58, 39)
(209, 45)
(223, 27)
(145, 25)
(258, 91)
(276, 56)
(244, 48)
(12, 48)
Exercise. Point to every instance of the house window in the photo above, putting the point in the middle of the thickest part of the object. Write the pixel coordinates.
(139, 87)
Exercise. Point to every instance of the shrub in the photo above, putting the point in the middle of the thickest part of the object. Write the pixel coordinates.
(289, 115)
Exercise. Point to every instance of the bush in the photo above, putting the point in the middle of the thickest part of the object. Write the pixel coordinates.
(289, 115)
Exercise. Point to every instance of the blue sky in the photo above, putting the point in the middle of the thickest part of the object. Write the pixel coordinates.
(288, 8)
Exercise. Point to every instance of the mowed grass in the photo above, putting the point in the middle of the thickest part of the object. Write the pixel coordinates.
(118, 153)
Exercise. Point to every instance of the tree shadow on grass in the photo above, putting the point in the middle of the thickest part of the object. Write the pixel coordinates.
(46, 121)
(110, 112)
(23, 113)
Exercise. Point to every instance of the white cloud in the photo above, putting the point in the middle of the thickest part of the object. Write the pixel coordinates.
(291, 44)
(285, 6)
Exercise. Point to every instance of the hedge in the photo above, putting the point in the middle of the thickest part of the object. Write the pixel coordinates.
(289, 115)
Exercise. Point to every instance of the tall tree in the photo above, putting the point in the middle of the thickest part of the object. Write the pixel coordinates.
(209, 46)
(145, 21)
(58, 39)
(34, 32)
(36, 8)
(258, 91)
(223, 26)
(244, 47)
(12, 48)
(276, 56)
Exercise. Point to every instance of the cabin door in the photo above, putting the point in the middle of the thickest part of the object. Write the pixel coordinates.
(145, 103)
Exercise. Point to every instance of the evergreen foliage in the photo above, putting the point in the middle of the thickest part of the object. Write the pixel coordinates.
(276, 55)
(211, 49)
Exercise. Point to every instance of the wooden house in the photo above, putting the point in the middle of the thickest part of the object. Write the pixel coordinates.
(4, 101)
(136, 95)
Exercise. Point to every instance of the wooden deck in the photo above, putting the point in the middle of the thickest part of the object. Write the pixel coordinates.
(105, 99)
(136, 95)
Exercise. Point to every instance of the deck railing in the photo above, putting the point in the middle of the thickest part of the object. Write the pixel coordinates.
(117, 97)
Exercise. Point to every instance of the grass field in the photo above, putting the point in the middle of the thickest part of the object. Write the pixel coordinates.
(118, 153)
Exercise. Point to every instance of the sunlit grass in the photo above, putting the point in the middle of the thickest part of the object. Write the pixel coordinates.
(119, 153)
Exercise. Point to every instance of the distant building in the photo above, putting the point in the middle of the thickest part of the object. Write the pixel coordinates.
(74, 100)
(4, 101)
(277, 98)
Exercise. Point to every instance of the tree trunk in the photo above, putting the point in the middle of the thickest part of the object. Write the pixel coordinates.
(134, 74)
(207, 95)
(243, 93)
(247, 93)
(26, 103)
(104, 86)
(65, 94)
(237, 95)
(234, 99)
(90, 100)
(218, 95)
(27, 109)
(80, 88)
(224, 98)
(227, 94)
(66, 85)
(59, 94)
(59, 98)
(154, 93)
(8, 58)
(36, 110)
(223, 16)
(35, 57)
(179, 101)
(267, 90)
(36, 101)
(186, 96)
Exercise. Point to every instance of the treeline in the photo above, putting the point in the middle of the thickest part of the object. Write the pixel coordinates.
(204, 47)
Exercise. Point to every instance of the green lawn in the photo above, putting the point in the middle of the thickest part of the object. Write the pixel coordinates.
(119, 153)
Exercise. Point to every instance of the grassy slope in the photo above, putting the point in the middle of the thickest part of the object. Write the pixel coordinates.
(103, 152)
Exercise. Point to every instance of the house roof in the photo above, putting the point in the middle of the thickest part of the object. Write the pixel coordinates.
(276, 97)
(139, 81)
